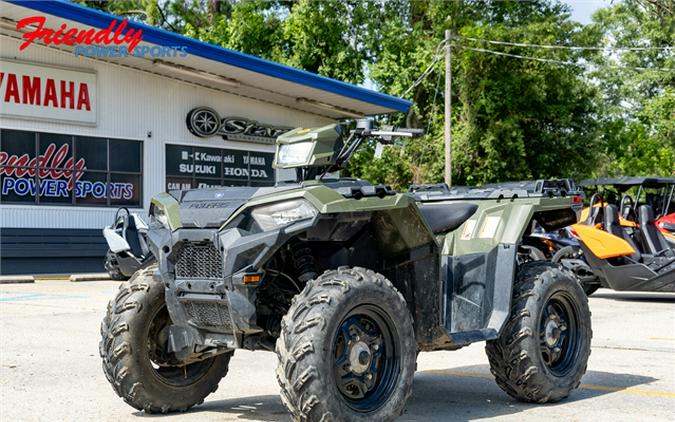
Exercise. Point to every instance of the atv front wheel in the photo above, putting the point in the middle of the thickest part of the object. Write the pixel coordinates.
(543, 350)
(347, 349)
(134, 335)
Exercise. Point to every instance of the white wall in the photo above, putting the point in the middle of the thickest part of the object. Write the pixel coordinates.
(131, 103)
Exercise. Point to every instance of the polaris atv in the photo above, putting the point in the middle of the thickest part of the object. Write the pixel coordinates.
(347, 282)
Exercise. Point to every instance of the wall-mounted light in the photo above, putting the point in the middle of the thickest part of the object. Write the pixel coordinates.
(197, 73)
(329, 107)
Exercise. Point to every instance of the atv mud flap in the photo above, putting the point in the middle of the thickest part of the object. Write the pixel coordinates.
(478, 293)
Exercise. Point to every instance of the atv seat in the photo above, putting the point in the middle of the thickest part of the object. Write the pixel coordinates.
(613, 226)
(443, 218)
(653, 240)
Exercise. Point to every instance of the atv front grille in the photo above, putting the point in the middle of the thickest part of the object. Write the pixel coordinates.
(209, 314)
(199, 260)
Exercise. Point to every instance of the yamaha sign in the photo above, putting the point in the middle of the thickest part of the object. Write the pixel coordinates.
(205, 122)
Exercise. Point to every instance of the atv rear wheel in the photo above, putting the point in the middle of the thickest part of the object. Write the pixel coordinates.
(133, 348)
(347, 349)
(543, 350)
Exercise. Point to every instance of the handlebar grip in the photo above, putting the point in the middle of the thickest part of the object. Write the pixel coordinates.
(412, 131)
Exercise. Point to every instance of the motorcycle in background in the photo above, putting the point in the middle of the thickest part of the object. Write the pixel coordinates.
(127, 245)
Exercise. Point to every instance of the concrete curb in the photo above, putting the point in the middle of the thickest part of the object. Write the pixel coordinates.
(90, 277)
(16, 279)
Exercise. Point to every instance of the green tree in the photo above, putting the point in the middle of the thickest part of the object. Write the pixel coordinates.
(512, 118)
(638, 115)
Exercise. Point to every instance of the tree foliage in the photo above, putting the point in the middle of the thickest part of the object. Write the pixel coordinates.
(638, 114)
(512, 118)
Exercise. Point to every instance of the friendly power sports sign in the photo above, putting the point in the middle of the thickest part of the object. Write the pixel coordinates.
(48, 168)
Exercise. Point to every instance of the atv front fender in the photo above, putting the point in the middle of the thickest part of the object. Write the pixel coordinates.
(215, 310)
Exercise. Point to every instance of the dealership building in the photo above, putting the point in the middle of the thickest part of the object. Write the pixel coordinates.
(98, 113)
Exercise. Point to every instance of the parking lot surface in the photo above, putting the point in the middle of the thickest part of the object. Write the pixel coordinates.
(50, 369)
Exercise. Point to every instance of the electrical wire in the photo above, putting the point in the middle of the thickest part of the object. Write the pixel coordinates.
(437, 56)
(275, 272)
(564, 47)
(563, 62)
(429, 69)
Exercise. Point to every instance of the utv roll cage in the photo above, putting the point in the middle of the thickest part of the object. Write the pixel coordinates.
(662, 203)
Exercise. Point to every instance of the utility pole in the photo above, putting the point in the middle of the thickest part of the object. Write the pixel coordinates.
(448, 109)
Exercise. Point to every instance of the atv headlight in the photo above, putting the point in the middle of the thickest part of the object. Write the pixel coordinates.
(270, 217)
(158, 216)
(292, 154)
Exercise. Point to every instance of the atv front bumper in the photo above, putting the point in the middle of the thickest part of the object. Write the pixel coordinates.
(203, 273)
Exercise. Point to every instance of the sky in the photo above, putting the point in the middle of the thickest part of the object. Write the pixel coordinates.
(583, 9)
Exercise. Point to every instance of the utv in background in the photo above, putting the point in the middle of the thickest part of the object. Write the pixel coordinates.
(621, 238)
(346, 281)
(127, 241)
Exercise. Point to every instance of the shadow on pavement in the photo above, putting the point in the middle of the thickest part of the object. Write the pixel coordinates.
(470, 392)
(459, 394)
(259, 408)
(636, 297)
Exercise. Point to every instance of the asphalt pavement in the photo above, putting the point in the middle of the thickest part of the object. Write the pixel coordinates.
(50, 369)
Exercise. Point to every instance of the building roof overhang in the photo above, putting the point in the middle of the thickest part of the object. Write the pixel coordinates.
(212, 66)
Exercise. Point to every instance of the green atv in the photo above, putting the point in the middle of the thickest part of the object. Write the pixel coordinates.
(347, 282)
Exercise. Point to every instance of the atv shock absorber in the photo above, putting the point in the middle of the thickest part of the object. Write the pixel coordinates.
(303, 261)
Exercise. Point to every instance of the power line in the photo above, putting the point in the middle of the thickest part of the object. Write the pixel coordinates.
(563, 47)
(437, 57)
(563, 62)
(429, 69)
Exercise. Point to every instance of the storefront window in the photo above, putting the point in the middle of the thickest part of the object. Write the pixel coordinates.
(199, 167)
(55, 169)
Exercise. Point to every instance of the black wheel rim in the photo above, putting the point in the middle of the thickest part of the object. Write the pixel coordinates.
(366, 353)
(164, 365)
(559, 334)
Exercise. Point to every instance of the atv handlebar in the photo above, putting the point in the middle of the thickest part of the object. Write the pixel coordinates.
(365, 129)
(386, 133)
(408, 133)
(390, 133)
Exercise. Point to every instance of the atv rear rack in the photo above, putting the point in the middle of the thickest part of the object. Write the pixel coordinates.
(524, 189)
